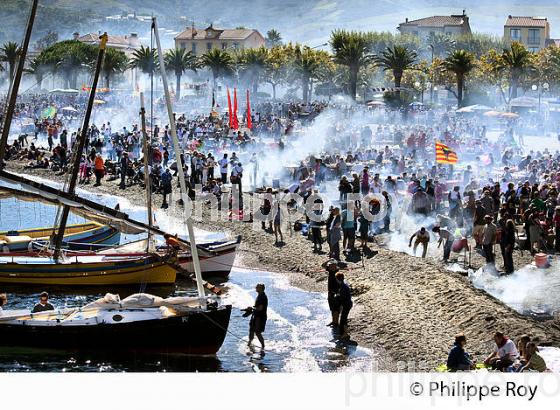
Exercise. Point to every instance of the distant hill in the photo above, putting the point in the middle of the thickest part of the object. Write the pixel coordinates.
(310, 21)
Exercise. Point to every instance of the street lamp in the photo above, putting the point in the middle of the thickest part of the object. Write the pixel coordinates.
(320, 45)
(418, 86)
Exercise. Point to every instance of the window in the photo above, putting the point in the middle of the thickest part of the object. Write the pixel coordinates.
(208, 46)
(224, 46)
(515, 34)
(236, 46)
(194, 47)
(182, 46)
(534, 36)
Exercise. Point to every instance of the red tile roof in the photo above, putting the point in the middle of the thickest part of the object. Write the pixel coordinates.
(521, 21)
(436, 21)
(221, 34)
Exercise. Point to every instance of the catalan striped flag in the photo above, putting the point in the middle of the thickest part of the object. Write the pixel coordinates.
(444, 155)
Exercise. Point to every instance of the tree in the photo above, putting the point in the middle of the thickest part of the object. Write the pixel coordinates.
(179, 60)
(478, 43)
(517, 61)
(306, 66)
(145, 59)
(397, 59)
(38, 69)
(273, 38)
(114, 62)
(440, 43)
(68, 58)
(9, 53)
(253, 64)
(351, 49)
(461, 63)
(220, 63)
(276, 68)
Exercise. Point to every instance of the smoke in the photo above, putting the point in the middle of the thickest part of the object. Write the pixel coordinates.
(528, 289)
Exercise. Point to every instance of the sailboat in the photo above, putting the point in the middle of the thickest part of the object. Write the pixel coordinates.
(143, 322)
(85, 236)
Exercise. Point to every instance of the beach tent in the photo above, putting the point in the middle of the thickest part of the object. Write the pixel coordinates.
(509, 115)
(69, 109)
(64, 91)
(525, 102)
(98, 102)
(492, 114)
(475, 107)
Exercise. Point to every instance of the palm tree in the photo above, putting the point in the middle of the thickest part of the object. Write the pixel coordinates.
(253, 63)
(114, 62)
(307, 66)
(517, 60)
(219, 62)
(397, 59)
(441, 44)
(38, 69)
(145, 59)
(179, 60)
(9, 53)
(351, 49)
(273, 38)
(461, 63)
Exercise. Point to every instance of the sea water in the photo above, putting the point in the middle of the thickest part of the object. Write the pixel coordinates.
(297, 338)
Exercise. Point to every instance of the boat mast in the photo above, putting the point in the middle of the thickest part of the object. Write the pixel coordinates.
(147, 176)
(184, 197)
(80, 148)
(14, 86)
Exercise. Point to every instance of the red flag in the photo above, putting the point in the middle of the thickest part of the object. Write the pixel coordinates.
(235, 121)
(229, 109)
(249, 120)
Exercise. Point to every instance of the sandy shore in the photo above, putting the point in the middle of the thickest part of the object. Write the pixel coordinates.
(406, 309)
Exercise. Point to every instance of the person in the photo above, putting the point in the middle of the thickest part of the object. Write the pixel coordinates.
(508, 242)
(257, 323)
(345, 301)
(458, 359)
(446, 238)
(3, 301)
(332, 291)
(223, 163)
(98, 169)
(335, 235)
(489, 239)
(43, 304)
(348, 223)
(504, 354)
(535, 361)
(422, 237)
(124, 169)
(166, 187)
(278, 223)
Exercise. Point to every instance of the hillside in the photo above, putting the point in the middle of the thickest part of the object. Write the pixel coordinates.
(310, 20)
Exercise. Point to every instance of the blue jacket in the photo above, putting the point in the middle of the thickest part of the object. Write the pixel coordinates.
(457, 357)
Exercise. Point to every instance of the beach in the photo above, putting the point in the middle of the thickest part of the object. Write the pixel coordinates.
(407, 309)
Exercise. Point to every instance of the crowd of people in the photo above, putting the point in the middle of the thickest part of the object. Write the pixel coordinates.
(499, 193)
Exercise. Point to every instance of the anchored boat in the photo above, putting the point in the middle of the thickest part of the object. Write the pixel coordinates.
(140, 322)
(85, 236)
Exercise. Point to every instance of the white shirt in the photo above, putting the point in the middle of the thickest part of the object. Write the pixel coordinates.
(508, 350)
(223, 165)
